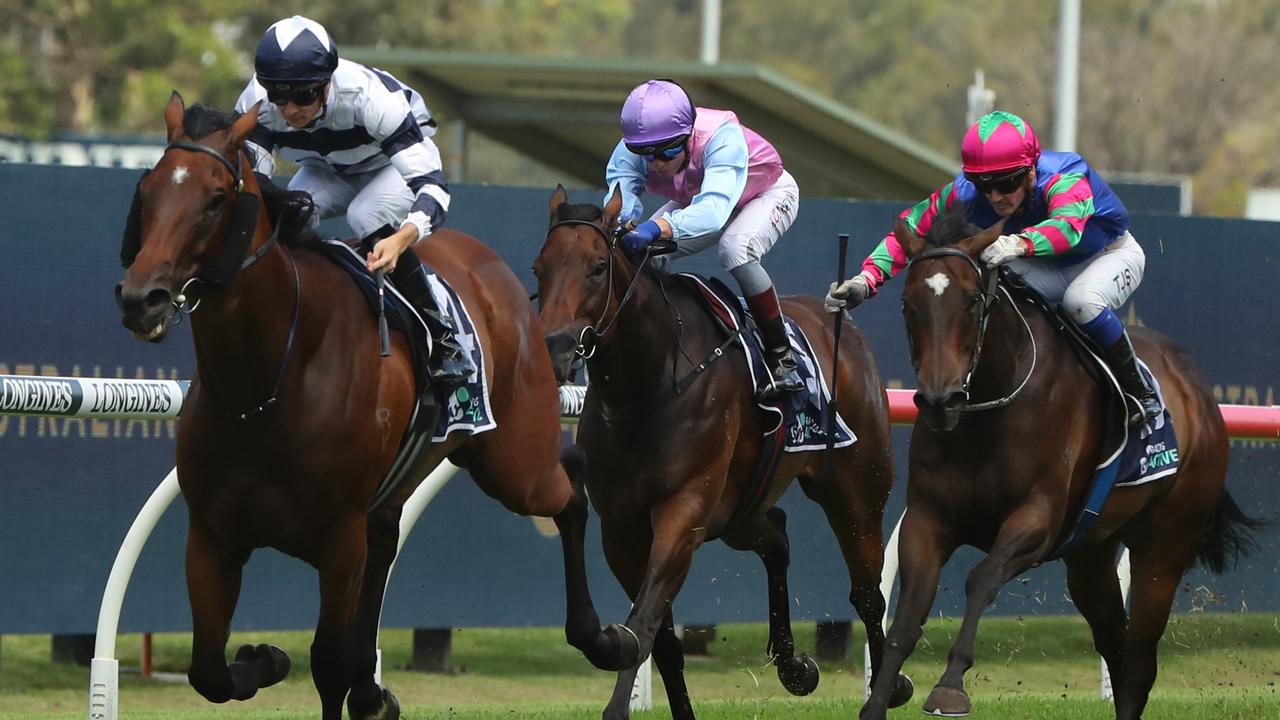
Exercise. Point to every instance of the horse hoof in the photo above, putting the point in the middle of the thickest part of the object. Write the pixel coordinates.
(273, 663)
(388, 708)
(799, 675)
(946, 702)
(626, 645)
(903, 689)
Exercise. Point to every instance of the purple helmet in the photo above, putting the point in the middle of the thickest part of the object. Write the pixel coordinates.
(655, 116)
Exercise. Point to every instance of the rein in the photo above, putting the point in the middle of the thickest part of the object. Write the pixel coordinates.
(179, 302)
(988, 299)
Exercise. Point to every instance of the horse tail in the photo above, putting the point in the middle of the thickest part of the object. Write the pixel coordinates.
(1229, 536)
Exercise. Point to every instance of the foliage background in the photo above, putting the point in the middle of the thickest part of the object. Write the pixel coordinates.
(1166, 86)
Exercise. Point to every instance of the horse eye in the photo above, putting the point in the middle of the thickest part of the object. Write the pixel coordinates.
(216, 202)
(534, 269)
(599, 269)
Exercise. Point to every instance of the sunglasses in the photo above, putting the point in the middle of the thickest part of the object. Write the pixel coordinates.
(302, 97)
(669, 154)
(1004, 184)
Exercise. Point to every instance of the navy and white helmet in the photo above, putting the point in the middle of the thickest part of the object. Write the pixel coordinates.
(295, 51)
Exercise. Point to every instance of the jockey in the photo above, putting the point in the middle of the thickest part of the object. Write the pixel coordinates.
(1067, 236)
(362, 141)
(724, 184)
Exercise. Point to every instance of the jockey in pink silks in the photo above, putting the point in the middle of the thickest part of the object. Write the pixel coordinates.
(725, 186)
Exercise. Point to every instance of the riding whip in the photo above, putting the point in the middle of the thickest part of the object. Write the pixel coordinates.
(843, 240)
(384, 336)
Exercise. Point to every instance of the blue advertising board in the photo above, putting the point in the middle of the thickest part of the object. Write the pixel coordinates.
(69, 488)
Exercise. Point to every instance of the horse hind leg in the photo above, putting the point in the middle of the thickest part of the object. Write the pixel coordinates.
(1095, 590)
(852, 495)
(766, 536)
(213, 586)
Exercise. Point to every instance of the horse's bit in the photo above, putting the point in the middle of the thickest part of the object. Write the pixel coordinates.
(988, 299)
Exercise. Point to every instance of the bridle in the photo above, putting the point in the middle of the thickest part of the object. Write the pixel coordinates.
(992, 286)
(590, 334)
(179, 302)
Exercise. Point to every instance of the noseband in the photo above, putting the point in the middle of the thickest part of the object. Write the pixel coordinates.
(590, 334)
(988, 299)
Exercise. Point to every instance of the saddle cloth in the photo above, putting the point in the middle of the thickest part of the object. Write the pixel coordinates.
(804, 414)
(465, 409)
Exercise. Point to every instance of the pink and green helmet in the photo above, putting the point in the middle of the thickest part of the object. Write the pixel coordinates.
(1000, 142)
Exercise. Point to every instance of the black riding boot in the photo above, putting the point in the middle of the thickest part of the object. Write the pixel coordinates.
(777, 355)
(449, 364)
(1124, 364)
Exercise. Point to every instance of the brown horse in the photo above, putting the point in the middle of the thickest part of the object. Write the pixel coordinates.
(1010, 476)
(669, 470)
(293, 419)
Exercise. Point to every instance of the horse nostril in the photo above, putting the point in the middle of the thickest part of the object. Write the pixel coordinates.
(955, 400)
(157, 298)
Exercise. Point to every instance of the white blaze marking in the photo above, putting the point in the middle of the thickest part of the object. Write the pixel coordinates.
(939, 282)
(180, 175)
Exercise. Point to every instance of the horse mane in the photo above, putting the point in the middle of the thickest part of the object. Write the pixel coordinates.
(289, 210)
(950, 227)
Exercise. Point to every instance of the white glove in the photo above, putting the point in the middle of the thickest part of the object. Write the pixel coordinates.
(1004, 249)
(848, 294)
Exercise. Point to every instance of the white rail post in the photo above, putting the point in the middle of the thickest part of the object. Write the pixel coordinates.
(888, 573)
(104, 671)
(1126, 577)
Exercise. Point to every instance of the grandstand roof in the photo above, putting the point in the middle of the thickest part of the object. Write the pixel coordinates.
(563, 112)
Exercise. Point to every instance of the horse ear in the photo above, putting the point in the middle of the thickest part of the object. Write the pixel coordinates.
(558, 198)
(976, 244)
(910, 242)
(173, 112)
(612, 208)
(243, 125)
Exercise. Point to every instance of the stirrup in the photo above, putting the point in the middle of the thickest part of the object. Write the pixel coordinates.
(1143, 410)
(449, 363)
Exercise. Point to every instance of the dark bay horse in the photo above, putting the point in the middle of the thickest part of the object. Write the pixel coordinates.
(293, 419)
(1003, 463)
(669, 471)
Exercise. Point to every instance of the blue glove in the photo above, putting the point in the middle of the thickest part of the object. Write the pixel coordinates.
(634, 242)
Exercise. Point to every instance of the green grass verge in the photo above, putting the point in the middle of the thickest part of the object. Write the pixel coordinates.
(1212, 667)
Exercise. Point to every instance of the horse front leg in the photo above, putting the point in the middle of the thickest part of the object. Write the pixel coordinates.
(213, 587)
(367, 700)
(679, 526)
(923, 548)
(341, 564)
(1022, 540)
